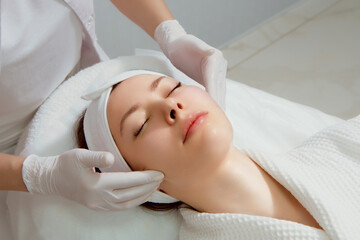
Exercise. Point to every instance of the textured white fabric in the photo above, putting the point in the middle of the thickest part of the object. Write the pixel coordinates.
(260, 121)
(38, 51)
(243, 227)
(323, 173)
(51, 132)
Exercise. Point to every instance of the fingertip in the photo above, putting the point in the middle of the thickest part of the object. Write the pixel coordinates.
(211, 51)
(155, 175)
(108, 159)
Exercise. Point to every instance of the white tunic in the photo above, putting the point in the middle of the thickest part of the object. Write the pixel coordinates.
(40, 45)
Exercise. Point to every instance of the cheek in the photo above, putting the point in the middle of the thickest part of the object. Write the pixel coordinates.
(198, 97)
(213, 143)
(217, 140)
(157, 150)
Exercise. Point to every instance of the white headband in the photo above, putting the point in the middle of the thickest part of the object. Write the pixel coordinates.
(97, 131)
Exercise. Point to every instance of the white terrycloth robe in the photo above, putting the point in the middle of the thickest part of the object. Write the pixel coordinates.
(323, 174)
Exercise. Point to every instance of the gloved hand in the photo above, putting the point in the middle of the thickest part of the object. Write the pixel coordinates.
(72, 176)
(195, 58)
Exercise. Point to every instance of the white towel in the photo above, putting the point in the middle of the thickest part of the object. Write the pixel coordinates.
(323, 174)
(254, 114)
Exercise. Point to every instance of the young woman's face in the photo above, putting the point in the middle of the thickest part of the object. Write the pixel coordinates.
(159, 125)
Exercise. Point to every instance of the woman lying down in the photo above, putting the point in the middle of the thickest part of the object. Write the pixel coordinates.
(153, 122)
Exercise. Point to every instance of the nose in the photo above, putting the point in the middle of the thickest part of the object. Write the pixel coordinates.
(172, 110)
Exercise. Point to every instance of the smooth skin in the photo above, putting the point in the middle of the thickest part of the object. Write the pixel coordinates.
(207, 165)
(11, 173)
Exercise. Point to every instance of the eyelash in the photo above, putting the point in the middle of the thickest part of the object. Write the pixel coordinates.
(139, 130)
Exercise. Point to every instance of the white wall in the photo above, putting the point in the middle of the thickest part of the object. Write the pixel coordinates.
(216, 22)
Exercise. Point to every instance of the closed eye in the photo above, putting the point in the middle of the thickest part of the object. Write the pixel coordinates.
(178, 85)
(138, 131)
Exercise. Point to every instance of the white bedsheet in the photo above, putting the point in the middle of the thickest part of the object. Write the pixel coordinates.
(261, 122)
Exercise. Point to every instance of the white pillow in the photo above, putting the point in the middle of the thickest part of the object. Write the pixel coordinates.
(260, 121)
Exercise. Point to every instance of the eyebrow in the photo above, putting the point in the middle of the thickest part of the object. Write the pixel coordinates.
(155, 83)
(153, 87)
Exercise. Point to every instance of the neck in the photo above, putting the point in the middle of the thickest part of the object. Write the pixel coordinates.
(238, 185)
(230, 187)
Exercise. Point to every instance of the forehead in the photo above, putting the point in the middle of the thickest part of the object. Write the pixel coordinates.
(130, 91)
(136, 81)
(130, 86)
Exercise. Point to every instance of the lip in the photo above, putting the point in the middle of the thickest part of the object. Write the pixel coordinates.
(192, 122)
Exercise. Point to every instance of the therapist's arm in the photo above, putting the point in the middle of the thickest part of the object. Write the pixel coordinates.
(147, 14)
(11, 173)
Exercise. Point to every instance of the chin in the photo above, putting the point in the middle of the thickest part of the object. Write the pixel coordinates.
(216, 142)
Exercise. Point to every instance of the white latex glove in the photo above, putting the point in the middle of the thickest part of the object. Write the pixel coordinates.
(195, 58)
(72, 175)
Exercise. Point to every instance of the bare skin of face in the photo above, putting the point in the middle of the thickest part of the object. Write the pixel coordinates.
(180, 131)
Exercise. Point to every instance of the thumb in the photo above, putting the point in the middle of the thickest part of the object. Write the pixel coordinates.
(210, 51)
(208, 69)
(213, 67)
(90, 159)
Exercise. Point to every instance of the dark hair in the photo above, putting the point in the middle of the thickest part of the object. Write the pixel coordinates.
(81, 142)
